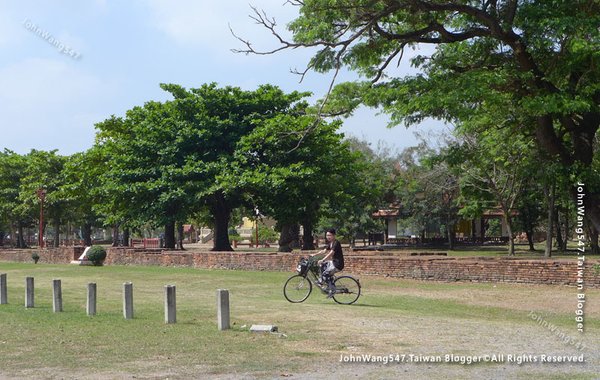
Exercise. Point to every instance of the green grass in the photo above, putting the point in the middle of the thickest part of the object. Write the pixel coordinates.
(71, 342)
(521, 251)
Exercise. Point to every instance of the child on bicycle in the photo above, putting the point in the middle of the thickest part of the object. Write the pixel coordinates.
(333, 261)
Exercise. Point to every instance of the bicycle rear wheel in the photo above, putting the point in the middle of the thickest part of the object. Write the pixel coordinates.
(297, 289)
(347, 290)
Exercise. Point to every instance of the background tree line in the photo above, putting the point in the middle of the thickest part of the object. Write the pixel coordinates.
(517, 79)
(212, 155)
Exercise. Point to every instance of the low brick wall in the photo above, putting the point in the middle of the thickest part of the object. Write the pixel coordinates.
(210, 260)
(61, 255)
(435, 267)
(480, 269)
(438, 268)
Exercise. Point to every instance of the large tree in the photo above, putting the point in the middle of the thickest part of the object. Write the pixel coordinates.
(83, 189)
(144, 174)
(371, 184)
(493, 168)
(13, 168)
(290, 181)
(171, 160)
(45, 170)
(538, 57)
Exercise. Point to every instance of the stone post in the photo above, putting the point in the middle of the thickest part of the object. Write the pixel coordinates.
(170, 304)
(57, 296)
(29, 292)
(128, 300)
(223, 309)
(91, 299)
(3, 289)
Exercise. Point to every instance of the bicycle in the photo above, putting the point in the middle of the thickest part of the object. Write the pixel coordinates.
(345, 289)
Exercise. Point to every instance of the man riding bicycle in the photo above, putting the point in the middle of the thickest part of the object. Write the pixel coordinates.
(332, 262)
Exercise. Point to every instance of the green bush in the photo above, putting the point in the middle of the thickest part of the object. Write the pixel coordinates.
(96, 254)
(35, 257)
(265, 234)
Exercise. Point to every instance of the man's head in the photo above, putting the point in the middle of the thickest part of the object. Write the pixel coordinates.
(330, 235)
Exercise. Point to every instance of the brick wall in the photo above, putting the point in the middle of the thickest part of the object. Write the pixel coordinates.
(481, 269)
(60, 255)
(438, 268)
(210, 260)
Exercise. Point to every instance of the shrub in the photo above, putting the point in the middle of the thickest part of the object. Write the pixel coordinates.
(96, 254)
(35, 257)
(265, 234)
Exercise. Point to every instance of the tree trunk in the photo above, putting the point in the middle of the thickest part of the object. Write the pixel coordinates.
(221, 213)
(170, 235)
(288, 239)
(593, 238)
(307, 238)
(567, 232)
(482, 231)
(86, 232)
(126, 236)
(56, 233)
(180, 235)
(582, 140)
(115, 236)
(549, 192)
(13, 235)
(592, 209)
(450, 235)
(511, 238)
(1, 238)
(20, 241)
(559, 238)
(529, 234)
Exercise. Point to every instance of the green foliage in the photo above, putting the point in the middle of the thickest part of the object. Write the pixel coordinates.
(293, 164)
(13, 168)
(265, 234)
(527, 68)
(234, 235)
(429, 190)
(20, 178)
(96, 254)
(371, 185)
(44, 170)
(35, 257)
(83, 188)
(169, 161)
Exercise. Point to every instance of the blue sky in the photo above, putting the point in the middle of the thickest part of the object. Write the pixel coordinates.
(51, 100)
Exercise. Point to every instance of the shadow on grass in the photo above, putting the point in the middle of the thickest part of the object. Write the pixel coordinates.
(365, 305)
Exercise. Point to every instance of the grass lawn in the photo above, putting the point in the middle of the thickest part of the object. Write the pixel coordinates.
(392, 317)
(521, 251)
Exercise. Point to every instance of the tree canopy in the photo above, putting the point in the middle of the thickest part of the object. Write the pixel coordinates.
(174, 158)
(528, 65)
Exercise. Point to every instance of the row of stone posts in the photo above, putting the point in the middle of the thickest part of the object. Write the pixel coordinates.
(169, 295)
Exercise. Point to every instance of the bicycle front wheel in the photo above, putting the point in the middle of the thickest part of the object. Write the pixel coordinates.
(297, 289)
(347, 290)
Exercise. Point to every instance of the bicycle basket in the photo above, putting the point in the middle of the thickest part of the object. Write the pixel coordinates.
(302, 267)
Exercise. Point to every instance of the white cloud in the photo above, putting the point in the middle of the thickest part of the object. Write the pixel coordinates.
(47, 104)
